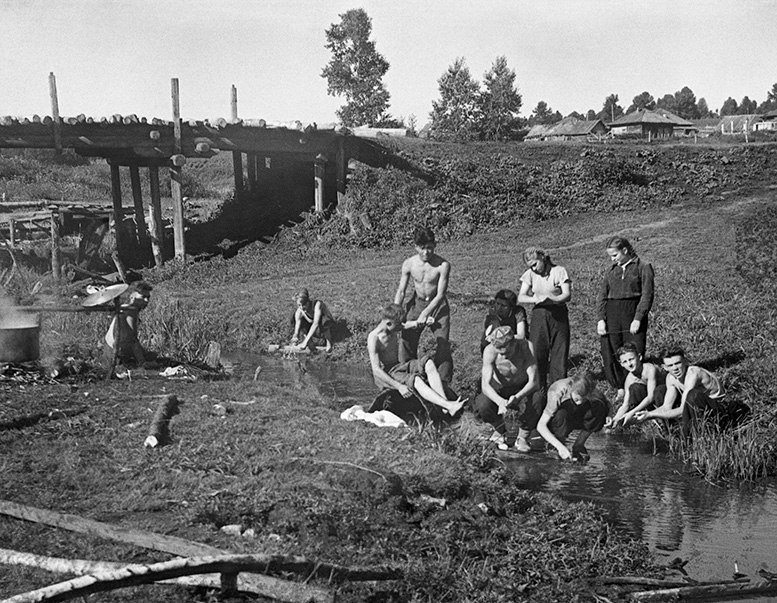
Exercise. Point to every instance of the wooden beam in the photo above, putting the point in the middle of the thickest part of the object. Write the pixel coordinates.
(176, 176)
(118, 215)
(342, 169)
(12, 232)
(233, 103)
(137, 200)
(56, 123)
(155, 217)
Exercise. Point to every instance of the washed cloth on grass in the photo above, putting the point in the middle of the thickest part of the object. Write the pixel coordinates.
(381, 418)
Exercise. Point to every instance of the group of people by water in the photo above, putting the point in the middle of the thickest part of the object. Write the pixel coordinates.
(525, 361)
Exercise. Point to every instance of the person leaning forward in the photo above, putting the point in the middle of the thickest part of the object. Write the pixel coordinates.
(509, 379)
(428, 305)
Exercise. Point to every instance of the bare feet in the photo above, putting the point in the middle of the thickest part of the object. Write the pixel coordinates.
(455, 407)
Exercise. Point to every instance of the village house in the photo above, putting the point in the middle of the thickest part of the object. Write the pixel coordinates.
(738, 124)
(769, 122)
(569, 128)
(648, 124)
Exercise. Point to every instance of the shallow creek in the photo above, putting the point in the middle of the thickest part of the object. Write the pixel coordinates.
(643, 492)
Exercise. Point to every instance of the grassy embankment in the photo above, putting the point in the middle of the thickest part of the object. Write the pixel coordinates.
(350, 493)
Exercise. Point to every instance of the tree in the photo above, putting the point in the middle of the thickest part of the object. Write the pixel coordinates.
(499, 103)
(611, 110)
(542, 114)
(685, 104)
(667, 102)
(590, 115)
(644, 100)
(356, 70)
(747, 106)
(770, 104)
(730, 107)
(704, 110)
(455, 115)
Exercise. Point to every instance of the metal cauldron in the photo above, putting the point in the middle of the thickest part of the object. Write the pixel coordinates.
(19, 344)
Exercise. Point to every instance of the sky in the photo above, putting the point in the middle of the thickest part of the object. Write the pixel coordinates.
(119, 56)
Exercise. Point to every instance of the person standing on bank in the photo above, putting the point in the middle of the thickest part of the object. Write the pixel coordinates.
(625, 299)
(427, 304)
(549, 288)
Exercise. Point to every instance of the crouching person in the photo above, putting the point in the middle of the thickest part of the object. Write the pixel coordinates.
(417, 380)
(690, 392)
(121, 340)
(573, 403)
(509, 379)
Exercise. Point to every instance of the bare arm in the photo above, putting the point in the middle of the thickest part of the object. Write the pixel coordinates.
(314, 325)
(665, 411)
(563, 295)
(399, 296)
(523, 294)
(486, 377)
(297, 325)
(651, 379)
(623, 409)
(544, 431)
(521, 328)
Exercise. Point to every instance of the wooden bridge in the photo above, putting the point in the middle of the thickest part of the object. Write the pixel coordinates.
(135, 143)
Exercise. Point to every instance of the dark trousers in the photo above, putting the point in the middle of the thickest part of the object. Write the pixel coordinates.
(637, 393)
(588, 416)
(549, 334)
(528, 409)
(441, 330)
(619, 315)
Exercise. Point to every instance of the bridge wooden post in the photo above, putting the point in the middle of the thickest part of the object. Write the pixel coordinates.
(155, 216)
(116, 199)
(56, 269)
(56, 124)
(320, 173)
(237, 156)
(137, 200)
(178, 162)
(12, 232)
(342, 169)
(251, 165)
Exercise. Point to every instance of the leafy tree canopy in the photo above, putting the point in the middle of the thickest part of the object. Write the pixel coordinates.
(729, 107)
(611, 110)
(499, 103)
(356, 70)
(543, 114)
(667, 102)
(685, 104)
(643, 100)
(456, 114)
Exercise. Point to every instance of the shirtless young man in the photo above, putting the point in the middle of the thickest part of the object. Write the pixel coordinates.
(509, 379)
(642, 379)
(427, 306)
(414, 376)
(698, 389)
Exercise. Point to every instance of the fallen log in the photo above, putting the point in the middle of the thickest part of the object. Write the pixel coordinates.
(188, 548)
(159, 433)
(29, 420)
(708, 592)
(298, 593)
(227, 565)
(659, 582)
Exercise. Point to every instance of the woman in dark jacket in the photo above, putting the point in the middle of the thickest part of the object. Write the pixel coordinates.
(625, 298)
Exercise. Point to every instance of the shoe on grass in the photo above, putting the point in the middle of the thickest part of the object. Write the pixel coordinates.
(521, 445)
(499, 440)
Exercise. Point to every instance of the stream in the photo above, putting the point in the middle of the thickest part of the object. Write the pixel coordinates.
(645, 493)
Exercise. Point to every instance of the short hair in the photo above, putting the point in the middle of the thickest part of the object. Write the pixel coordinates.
(627, 348)
(142, 287)
(582, 383)
(536, 253)
(302, 295)
(508, 295)
(423, 236)
(621, 243)
(672, 350)
(393, 312)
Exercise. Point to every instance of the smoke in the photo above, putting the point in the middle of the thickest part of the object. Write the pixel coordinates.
(11, 318)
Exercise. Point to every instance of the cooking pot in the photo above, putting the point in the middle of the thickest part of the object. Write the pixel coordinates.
(19, 344)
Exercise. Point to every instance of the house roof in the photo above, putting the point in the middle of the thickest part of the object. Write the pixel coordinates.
(770, 115)
(569, 126)
(675, 119)
(642, 116)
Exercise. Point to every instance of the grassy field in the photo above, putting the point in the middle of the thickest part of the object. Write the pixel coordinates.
(310, 484)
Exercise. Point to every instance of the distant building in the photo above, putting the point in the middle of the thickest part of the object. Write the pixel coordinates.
(649, 124)
(738, 124)
(569, 128)
(769, 122)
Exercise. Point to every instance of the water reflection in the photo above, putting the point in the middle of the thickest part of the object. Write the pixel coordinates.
(647, 495)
